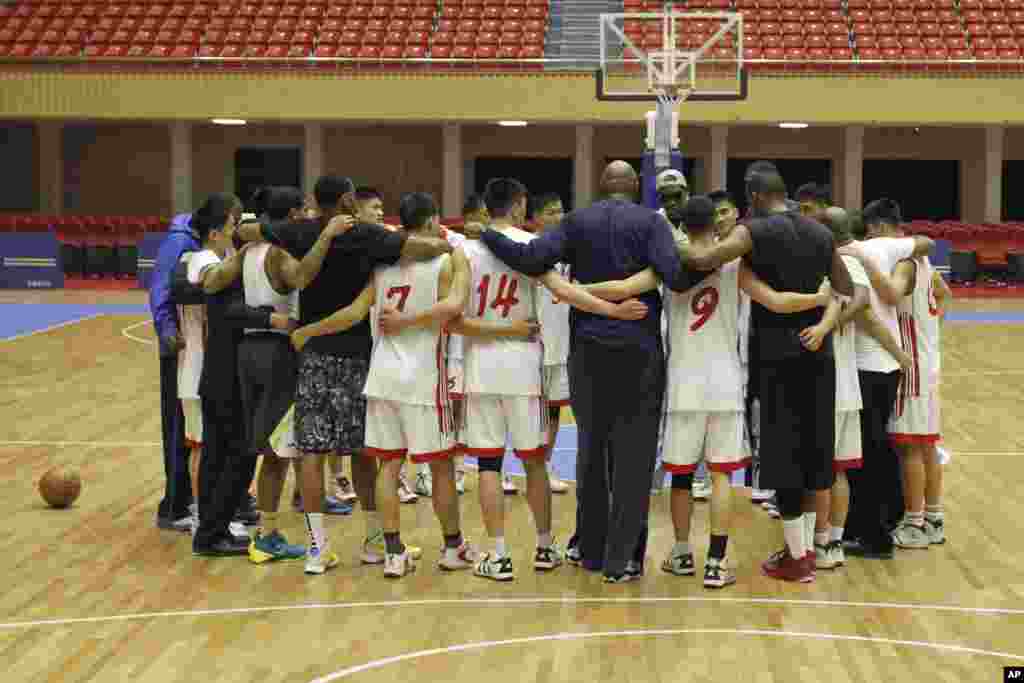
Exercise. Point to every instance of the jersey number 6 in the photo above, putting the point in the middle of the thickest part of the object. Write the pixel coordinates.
(703, 306)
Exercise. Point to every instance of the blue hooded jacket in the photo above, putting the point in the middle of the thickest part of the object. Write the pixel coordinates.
(180, 239)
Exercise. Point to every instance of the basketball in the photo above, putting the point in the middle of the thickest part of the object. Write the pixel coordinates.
(60, 487)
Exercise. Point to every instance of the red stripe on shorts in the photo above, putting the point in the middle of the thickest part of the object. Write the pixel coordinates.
(914, 438)
(384, 454)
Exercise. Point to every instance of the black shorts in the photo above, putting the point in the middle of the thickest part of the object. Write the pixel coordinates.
(267, 371)
(330, 409)
(798, 423)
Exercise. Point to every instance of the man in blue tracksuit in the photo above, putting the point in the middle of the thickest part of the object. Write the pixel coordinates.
(173, 511)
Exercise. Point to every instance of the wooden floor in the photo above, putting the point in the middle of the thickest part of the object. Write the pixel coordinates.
(96, 593)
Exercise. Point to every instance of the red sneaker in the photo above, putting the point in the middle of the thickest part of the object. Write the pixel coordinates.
(783, 566)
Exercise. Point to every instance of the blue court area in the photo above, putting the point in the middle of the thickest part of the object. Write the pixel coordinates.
(986, 317)
(20, 319)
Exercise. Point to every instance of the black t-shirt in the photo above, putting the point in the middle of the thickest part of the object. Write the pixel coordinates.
(345, 273)
(791, 253)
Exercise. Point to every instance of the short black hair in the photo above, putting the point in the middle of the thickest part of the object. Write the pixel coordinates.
(329, 190)
(882, 211)
(415, 209)
(277, 202)
(474, 202)
(539, 201)
(501, 194)
(807, 191)
(364, 194)
(721, 197)
(213, 214)
(767, 183)
(698, 214)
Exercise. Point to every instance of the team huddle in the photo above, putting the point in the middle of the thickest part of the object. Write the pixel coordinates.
(314, 332)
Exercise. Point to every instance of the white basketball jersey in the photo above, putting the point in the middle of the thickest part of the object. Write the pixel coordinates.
(454, 340)
(918, 316)
(192, 320)
(554, 324)
(704, 363)
(844, 348)
(258, 290)
(409, 367)
(501, 366)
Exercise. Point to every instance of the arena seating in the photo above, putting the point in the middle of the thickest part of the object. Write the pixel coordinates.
(264, 30)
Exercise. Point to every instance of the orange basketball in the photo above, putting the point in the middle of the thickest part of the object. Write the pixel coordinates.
(60, 487)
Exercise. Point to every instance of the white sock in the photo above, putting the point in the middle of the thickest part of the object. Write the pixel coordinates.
(810, 519)
(315, 527)
(836, 534)
(820, 538)
(793, 532)
(681, 548)
(373, 527)
(193, 510)
(499, 547)
(544, 540)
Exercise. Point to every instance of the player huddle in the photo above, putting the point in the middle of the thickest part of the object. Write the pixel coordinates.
(469, 357)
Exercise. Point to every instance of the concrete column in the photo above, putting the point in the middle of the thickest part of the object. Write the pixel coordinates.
(312, 155)
(181, 167)
(452, 171)
(583, 167)
(993, 175)
(848, 169)
(716, 167)
(50, 166)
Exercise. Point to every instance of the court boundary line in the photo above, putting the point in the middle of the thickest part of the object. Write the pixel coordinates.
(126, 332)
(528, 600)
(51, 328)
(570, 636)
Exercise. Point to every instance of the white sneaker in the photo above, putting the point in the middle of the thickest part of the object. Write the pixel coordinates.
(460, 482)
(547, 558)
(559, 486)
(836, 554)
(824, 558)
(424, 483)
(238, 529)
(761, 495)
(680, 565)
(936, 531)
(374, 550)
(718, 574)
(405, 492)
(701, 489)
(465, 556)
(911, 537)
(194, 523)
(508, 486)
(495, 568)
(319, 560)
(397, 566)
(344, 491)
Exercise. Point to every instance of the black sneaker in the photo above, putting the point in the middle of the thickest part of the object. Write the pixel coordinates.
(247, 513)
(717, 574)
(633, 573)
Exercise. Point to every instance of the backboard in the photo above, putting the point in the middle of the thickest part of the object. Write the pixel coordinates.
(678, 55)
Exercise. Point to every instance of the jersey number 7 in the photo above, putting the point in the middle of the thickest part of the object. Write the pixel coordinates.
(703, 306)
(505, 298)
(402, 293)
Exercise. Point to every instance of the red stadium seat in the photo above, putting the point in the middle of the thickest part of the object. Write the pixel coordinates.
(183, 51)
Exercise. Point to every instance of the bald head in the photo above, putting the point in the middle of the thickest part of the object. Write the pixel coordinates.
(619, 178)
(838, 220)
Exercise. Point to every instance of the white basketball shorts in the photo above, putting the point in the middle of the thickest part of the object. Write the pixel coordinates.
(556, 384)
(716, 438)
(848, 444)
(492, 418)
(395, 430)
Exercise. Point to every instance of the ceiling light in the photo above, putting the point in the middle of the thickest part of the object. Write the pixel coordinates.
(792, 124)
(229, 122)
(512, 124)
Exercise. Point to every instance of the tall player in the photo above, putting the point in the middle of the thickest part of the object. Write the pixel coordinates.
(705, 395)
(504, 379)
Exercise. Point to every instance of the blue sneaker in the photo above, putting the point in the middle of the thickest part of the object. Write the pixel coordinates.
(333, 506)
(273, 547)
(286, 550)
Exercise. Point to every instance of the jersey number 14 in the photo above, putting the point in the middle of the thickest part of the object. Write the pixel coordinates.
(504, 298)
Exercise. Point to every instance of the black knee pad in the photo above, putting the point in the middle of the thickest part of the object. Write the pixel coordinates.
(682, 481)
(791, 502)
(490, 464)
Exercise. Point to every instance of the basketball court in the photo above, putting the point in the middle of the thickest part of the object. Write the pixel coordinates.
(97, 593)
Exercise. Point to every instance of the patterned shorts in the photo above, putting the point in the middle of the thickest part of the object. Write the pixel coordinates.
(330, 409)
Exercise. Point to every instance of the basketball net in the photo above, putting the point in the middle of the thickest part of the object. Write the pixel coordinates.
(669, 97)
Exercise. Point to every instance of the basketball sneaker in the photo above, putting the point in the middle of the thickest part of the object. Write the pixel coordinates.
(495, 568)
(344, 491)
(509, 486)
(424, 483)
(559, 486)
(824, 558)
(783, 566)
(238, 530)
(273, 547)
(936, 530)
(911, 537)
(397, 566)
(548, 558)
(717, 574)
(771, 506)
(405, 492)
(758, 496)
(460, 482)
(701, 489)
(573, 555)
(465, 556)
(835, 551)
(333, 506)
(680, 565)
(374, 550)
(319, 560)
(633, 573)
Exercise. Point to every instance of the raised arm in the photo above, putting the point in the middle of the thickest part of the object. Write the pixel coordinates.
(781, 302)
(222, 275)
(339, 321)
(578, 298)
(922, 245)
(419, 248)
(533, 258)
(620, 290)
